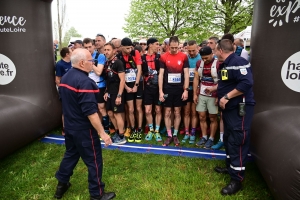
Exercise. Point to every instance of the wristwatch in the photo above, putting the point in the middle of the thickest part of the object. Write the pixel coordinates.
(226, 97)
(187, 89)
(137, 85)
(119, 95)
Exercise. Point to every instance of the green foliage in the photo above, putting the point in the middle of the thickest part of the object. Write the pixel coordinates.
(29, 174)
(187, 19)
(234, 16)
(72, 32)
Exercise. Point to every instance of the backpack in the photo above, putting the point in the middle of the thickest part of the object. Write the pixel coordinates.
(145, 64)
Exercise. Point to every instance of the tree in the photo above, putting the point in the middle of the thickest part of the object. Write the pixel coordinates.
(234, 15)
(188, 19)
(61, 14)
(72, 32)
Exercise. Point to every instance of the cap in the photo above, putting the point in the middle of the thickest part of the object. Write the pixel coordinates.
(205, 51)
(143, 41)
(166, 41)
(126, 42)
(151, 41)
(77, 41)
(70, 45)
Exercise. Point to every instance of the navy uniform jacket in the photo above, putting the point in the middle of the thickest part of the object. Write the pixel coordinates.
(78, 93)
(236, 73)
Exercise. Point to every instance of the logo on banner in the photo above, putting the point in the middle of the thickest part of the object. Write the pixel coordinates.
(284, 11)
(290, 72)
(16, 23)
(7, 70)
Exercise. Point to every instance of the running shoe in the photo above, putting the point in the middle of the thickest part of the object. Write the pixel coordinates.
(217, 146)
(208, 144)
(132, 136)
(201, 142)
(185, 138)
(127, 132)
(119, 141)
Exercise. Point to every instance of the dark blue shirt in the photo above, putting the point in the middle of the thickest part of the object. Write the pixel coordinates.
(239, 76)
(62, 68)
(78, 94)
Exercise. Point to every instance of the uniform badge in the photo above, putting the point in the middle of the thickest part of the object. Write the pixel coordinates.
(243, 71)
(115, 109)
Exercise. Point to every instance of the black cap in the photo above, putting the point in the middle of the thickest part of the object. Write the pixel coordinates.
(126, 42)
(151, 41)
(205, 51)
(77, 41)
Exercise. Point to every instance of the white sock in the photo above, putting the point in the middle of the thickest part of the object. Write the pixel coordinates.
(212, 139)
(205, 137)
(221, 136)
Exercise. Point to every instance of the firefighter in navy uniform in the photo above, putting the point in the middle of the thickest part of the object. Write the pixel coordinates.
(82, 127)
(235, 97)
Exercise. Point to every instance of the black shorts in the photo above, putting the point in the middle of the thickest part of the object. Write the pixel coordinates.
(100, 98)
(174, 98)
(151, 96)
(190, 96)
(140, 91)
(136, 95)
(111, 104)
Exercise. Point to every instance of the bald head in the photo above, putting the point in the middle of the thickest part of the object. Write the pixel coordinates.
(82, 59)
(117, 43)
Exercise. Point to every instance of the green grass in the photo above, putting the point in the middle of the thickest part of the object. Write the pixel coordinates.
(29, 174)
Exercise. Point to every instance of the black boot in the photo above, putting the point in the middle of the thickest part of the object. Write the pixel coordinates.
(221, 170)
(104, 196)
(61, 188)
(233, 187)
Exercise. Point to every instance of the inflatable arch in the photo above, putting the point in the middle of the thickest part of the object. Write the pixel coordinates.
(29, 103)
(275, 53)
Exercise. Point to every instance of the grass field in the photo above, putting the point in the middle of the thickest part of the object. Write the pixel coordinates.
(29, 174)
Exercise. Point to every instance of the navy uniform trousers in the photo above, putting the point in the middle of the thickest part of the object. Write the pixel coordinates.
(84, 144)
(237, 140)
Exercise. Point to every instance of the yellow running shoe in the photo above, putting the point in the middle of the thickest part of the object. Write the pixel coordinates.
(127, 132)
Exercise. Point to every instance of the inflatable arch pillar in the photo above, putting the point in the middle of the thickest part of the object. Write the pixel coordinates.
(275, 53)
(29, 105)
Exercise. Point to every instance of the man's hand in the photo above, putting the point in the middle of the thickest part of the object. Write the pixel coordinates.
(195, 98)
(161, 97)
(105, 96)
(128, 89)
(106, 139)
(134, 89)
(208, 90)
(185, 95)
(223, 102)
(118, 101)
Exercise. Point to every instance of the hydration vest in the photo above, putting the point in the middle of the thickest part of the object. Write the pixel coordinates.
(145, 64)
(130, 59)
(213, 70)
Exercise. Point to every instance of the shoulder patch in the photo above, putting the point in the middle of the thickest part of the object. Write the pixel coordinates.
(243, 71)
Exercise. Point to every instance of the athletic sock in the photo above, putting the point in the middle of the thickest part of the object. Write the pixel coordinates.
(121, 135)
(140, 129)
(212, 139)
(105, 122)
(169, 133)
(221, 136)
(186, 130)
(205, 137)
(175, 133)
(157, 128)
(133, 129)
(193, 132)
(150, 127)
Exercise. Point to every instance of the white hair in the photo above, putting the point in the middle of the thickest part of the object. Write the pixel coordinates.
(78, 55)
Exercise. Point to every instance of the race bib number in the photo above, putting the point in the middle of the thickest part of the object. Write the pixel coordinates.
(192, 72)
(130, 77)
(202, 90)
(174, 78)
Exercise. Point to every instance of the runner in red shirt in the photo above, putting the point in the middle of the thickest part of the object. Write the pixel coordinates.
(173, 86)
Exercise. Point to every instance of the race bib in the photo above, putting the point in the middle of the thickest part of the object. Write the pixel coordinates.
(174, 78)
(192, 72)
(130, 77)
(202, 90)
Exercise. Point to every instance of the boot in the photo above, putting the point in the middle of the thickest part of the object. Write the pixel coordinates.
(233, 187)
(61, 188)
